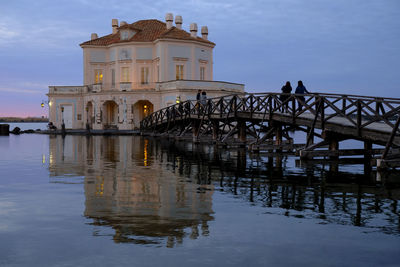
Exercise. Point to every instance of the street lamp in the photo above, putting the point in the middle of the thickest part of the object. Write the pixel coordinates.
(87, 118)
(63, 124)
(44, 102)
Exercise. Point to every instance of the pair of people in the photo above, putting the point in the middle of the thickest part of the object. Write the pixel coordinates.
(287, 89)
(201, 97)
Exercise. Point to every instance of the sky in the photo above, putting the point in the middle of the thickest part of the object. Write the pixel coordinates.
(341, 46)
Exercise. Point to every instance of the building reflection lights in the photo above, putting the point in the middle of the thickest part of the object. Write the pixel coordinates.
(142, 205)
(146, 142)
(172, 200)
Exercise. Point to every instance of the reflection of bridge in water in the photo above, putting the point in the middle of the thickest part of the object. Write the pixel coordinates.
(261, 122)
(151, 191)
(299, 189)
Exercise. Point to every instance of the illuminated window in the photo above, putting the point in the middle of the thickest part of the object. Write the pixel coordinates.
(202, 73)
(179, 72)
(144, 75)
(125, 74)
(98, 76)
(112, 77)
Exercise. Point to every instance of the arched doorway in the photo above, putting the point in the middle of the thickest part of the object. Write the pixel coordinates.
(89, 114)
(141, 109)
(110, 115)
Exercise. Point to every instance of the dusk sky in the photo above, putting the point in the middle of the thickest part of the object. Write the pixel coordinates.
(341, 46)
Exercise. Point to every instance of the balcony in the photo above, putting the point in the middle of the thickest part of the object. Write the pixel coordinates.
(97, 87)
(67, 89)
(125, 86)
(200, 85)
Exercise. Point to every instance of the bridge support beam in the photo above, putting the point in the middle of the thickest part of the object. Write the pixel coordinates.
(215, 130)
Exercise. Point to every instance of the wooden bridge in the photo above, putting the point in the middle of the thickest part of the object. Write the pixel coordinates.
(263, 122)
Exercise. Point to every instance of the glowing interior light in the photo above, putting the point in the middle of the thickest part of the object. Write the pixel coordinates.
(42, 105)
(50, 103)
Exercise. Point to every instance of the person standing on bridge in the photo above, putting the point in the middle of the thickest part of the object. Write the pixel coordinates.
(301, 89)
(203, 98)
(198, 96)
(286, 90)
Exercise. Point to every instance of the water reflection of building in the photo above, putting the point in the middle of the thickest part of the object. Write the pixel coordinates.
(155, 190)
(127, 188)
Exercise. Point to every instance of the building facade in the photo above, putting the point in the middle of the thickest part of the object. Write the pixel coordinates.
(137, 69)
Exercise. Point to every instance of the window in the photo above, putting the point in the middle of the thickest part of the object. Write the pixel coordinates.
(158, 73)
(125, 74)
(98, 76)
(202, 73)
(179, 72)
(144, 75)
(124, 35)
(112, 78)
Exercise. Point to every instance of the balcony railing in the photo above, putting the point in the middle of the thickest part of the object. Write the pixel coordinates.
(67, 89)
(160, 86)
(201, 85)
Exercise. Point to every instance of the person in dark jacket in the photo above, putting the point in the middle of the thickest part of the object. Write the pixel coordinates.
(198, 96)
(286, 90)
(301, 89)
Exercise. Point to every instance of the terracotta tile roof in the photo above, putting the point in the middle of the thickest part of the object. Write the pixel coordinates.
(146, 31)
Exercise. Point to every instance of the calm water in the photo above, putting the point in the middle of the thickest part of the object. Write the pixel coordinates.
(119, 201)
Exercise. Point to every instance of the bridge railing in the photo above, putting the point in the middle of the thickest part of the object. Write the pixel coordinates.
(357, 111)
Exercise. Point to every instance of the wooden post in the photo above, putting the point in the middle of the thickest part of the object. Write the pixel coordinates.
(333, 146)
(242, 130)
(215, 130)
(367, 157)
(359, 117)
(278, 136)
(367, 151)
(310, 136)
(196, 128)
(344, 104)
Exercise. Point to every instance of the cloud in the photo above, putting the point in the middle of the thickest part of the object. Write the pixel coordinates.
(51, 34)
(20, 90)
(25, 87)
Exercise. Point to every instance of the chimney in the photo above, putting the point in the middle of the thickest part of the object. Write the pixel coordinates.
(178, 21)
(204, 32)
(169, 18)
(114, 24)
(193, 30)
(93, 36)
(123, 23)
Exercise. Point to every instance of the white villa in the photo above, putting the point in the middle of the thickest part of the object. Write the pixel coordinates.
(137, 69)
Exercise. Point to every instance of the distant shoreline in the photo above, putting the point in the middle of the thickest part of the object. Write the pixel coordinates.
(17, 119)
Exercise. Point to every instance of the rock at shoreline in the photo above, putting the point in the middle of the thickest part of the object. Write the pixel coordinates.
(16, 130)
